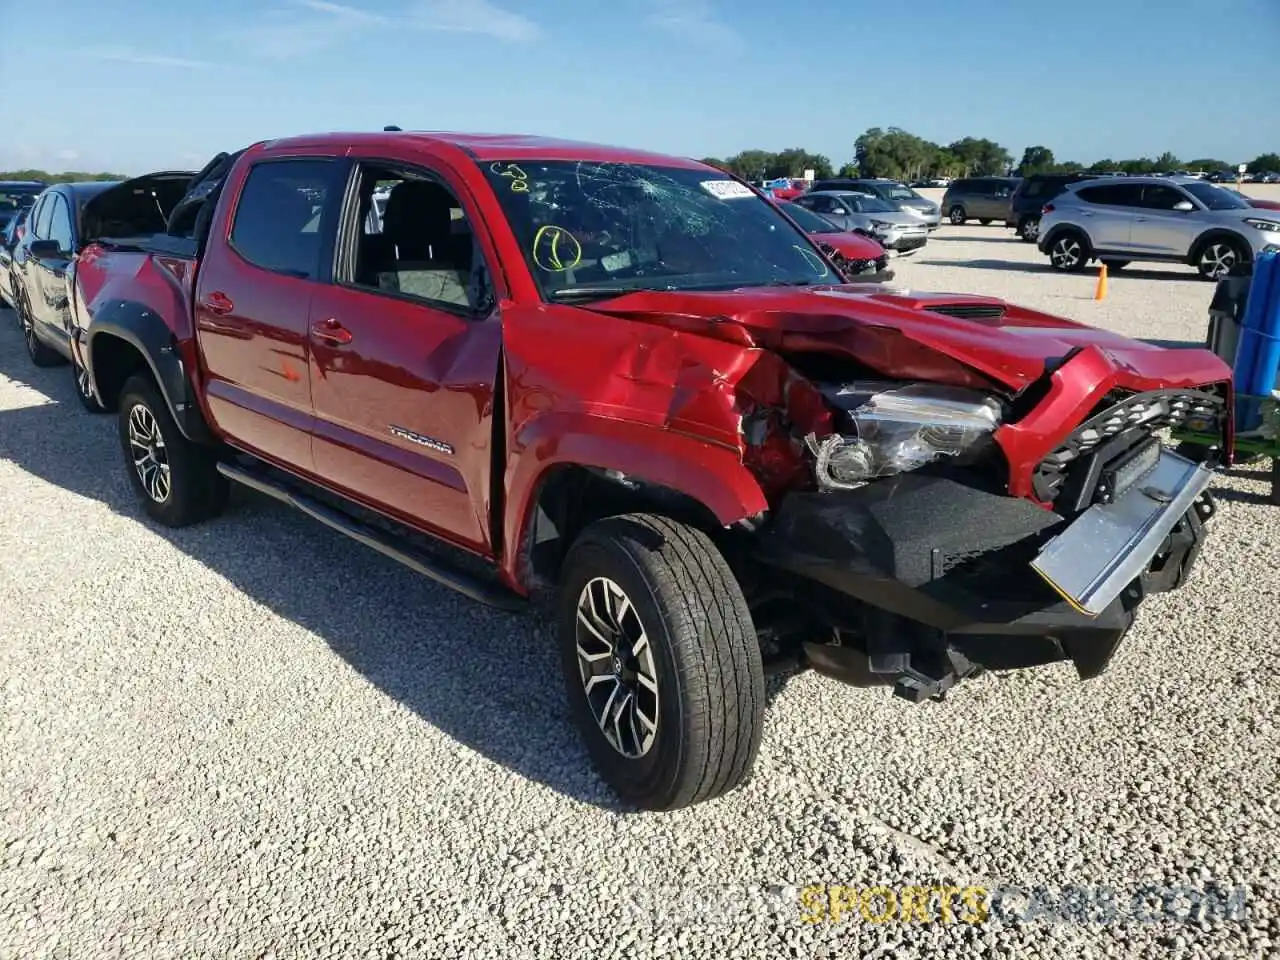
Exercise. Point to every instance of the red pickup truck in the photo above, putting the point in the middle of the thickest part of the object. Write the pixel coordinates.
(629, 384)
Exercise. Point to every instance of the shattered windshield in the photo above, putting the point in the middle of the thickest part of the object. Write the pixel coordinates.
(606, 228)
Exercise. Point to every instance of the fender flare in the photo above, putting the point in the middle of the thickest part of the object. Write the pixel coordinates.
(706, 472)
(143, 329)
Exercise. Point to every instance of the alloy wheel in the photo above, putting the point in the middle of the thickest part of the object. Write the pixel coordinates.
(1031, 230)
(82, 380)
(150, 456)
(1217, 260)
(617, 668)
(1066, 253)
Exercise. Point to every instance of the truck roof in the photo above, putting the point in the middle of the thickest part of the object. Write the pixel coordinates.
(482, 147)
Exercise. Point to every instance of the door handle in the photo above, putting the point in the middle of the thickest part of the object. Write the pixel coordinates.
(219, 303)
(331, 331)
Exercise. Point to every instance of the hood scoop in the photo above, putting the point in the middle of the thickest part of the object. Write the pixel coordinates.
(970, 311)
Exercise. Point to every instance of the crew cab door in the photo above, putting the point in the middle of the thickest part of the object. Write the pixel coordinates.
(405, 345)
(262, 266)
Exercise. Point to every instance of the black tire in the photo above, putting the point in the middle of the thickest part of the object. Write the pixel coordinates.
(1069, 251)
(705, 660)
(195, 490)
(1116, 264)
(985, 223)
(41, 354)
(956, 215)
(84, 391)
(1029, 229)
(1215, 257)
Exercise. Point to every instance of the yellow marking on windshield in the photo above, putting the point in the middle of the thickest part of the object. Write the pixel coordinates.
(555, 249)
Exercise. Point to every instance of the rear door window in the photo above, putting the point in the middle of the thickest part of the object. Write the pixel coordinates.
(1113, 195)
(1161, 197)
(284, 213)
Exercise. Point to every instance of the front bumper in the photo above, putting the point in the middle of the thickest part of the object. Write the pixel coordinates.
(902, 241)
(925, 579)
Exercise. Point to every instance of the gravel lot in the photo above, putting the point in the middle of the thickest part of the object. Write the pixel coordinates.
(254, 738)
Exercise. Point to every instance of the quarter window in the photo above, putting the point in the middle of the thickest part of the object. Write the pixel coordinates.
(1113, 195)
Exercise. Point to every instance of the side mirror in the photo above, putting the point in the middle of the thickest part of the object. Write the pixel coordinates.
(40, 249)
(840, 211)
(1184, 206)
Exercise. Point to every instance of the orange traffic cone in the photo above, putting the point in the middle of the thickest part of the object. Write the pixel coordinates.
(1100, 292)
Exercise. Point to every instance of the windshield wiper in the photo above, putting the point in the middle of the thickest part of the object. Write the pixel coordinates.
(600, 292)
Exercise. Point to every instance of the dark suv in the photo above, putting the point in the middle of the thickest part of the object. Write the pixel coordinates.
(979, 198)
(1031, 196)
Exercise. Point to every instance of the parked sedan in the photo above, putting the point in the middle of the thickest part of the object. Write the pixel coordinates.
(864, 255)
(64, 219)
(893, 192)
(851, 211)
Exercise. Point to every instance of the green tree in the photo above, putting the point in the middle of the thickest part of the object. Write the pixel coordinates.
(1265, 163)
(1036, 160)
(1209, 165)
(751, 164)
(66, 177)
(794, 161)
(893, 153)
(981, 157)
(714, 162)
(849, 170)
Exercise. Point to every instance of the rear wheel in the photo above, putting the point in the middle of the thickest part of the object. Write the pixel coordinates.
(84, 387)
(178, 480)
(1069, 252)
(1116, 264)
(41, 354)
(1217, 257)
(661, 661)
(956, 215)
(985, 223)
(1029, 229)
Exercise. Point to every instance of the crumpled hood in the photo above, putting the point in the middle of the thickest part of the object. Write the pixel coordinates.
(940, 337)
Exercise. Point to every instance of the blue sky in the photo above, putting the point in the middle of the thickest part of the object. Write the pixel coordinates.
(132, 85)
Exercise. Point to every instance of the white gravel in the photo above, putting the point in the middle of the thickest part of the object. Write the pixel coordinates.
(254, 738)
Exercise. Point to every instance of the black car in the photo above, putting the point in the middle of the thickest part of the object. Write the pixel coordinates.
(64, 218)
(10, 233)
(1033, 193)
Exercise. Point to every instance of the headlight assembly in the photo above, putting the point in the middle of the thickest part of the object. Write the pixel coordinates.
(897, 428)
(1266, 226)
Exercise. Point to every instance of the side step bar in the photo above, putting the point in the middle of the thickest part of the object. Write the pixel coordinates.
(491, 594)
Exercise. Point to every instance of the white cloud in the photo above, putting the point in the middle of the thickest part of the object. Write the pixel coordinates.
(474, 16)
(130, 55)
(695, 22)
(309, 26)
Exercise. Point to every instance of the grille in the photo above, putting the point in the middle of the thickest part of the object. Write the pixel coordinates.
(970, 311)
(1071, 476)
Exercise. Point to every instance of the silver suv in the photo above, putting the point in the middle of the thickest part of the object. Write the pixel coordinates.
(1118, 220)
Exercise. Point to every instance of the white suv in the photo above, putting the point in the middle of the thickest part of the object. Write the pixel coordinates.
(1118, 220)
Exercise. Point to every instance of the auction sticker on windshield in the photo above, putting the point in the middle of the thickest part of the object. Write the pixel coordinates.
(726, 189)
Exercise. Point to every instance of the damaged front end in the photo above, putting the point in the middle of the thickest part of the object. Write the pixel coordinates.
(953, 483)
(911, 565)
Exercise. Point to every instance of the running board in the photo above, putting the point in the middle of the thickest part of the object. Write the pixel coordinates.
(491, 594)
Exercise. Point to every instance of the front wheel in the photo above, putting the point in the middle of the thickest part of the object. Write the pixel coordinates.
(178, 480)
(1218, 257)
(956, 215)
(661, 661)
